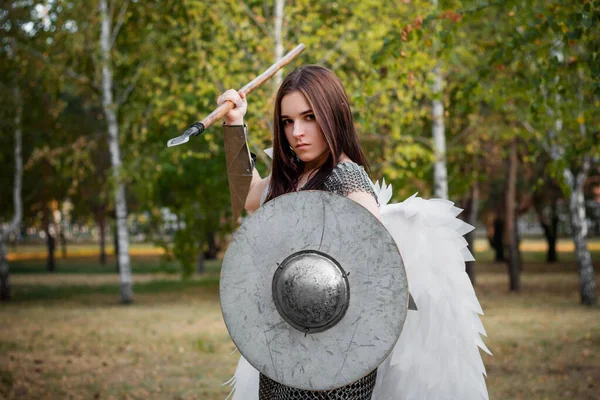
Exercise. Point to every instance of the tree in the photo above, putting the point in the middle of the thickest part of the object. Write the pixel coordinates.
(35, 106)
(440, 173)
(514, 255)
(106, 61)
(107, 33)
(566, 84)
(5, 291)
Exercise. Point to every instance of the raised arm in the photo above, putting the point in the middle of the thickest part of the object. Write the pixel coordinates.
(235, 120)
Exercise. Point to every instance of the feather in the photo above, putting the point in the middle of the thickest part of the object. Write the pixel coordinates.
(437, 355)
(383, 193)
(244, 382)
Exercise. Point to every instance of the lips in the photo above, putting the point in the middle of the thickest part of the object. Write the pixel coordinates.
(299, 146)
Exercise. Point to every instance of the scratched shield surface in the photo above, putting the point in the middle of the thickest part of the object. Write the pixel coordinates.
(378, 292)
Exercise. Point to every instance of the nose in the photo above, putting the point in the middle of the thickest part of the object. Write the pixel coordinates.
(298, 130)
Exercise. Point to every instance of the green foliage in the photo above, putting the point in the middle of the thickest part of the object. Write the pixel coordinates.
(511, 69)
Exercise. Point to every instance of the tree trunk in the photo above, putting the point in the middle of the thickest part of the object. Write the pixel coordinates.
(101, 221)
(440, 172)
(552, 255)
(514, 255)
(51, 245)
(498, 239)
(473, 211)
(200, 261)
(212, 251)
(50, 241)
(63, 242)
(279, 5)
(579, 226)
(116, 248)
(550, 234)
(550, 228)
(5, 289)
(587, 282)
(4, 272)
(110, 110)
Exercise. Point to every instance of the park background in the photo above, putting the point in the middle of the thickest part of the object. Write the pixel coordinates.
(110, 242)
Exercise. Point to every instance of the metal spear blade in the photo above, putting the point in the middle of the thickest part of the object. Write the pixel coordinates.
(194, 130)
(178, 140)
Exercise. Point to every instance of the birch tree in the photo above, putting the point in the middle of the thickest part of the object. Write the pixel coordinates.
(16, 77)
(579, 226)
(561, 85)
(574, 175)
(440, 171)
(107, 37)
(5, 290)
(567, 95)
(278, 36)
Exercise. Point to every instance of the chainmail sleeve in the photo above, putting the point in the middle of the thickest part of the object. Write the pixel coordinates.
(349, 177)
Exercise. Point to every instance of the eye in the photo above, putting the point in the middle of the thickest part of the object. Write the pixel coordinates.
(310, 117)
(287, 121)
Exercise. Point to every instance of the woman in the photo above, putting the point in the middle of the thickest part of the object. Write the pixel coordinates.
(314, 136)
(315, 147)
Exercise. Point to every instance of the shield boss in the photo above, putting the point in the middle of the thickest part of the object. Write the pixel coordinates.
(313, 290)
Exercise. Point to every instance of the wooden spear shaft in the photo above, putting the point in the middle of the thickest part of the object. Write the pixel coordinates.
(199, 127)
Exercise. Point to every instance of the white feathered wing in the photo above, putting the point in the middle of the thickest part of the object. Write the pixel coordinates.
(437, 355)
(244, 382)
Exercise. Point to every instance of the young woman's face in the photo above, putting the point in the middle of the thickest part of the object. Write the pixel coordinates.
(302, 131)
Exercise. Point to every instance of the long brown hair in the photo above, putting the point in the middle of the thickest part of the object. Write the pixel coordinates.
(329, 102)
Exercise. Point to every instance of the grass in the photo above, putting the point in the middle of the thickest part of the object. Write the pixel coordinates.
(77, 264)
(65, 336)
(545, 344)
(32, 292)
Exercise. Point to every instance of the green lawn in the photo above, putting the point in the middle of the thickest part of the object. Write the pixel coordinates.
(65, 335)
(90, 265)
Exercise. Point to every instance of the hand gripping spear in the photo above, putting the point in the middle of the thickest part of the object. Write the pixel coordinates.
(239, 170)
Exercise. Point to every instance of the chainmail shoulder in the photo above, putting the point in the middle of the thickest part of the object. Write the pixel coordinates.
(348, 177)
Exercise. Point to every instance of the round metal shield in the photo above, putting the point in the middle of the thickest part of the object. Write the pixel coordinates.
(313, 290)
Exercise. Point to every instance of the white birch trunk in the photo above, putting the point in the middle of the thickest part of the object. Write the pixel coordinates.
(16, 221)
(279, 5)
(579, 231)
(579, 226)
(110, 110)
(440, 170)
